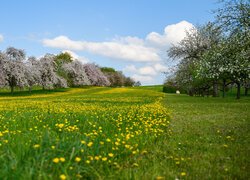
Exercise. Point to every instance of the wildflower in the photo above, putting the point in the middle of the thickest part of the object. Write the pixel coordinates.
(90, 144)
(183, 174)
(53, 147)
(62, 177)
(108, 140)
(104, 159)
(111, 155)
(101, 142)
(97, 158)
(159, 178)
(77, 159)
(62, 159)
(36, 146)
(56, 160)
(87, 161)
(83, 142)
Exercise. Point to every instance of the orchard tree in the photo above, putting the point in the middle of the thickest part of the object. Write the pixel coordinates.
(14, 68)
(189, 51)
(95, 75)
(234, 19)
(48, 75)
(2, 74)
(76, 73)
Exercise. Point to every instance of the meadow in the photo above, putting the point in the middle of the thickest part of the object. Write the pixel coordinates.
(122, 133)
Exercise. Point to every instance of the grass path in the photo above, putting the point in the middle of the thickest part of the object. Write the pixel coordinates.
(210, 137)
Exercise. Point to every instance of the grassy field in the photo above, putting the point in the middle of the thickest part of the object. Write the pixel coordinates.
(122, 133)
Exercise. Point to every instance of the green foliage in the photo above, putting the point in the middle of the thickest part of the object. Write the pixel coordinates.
(63, 58)
(107, 70)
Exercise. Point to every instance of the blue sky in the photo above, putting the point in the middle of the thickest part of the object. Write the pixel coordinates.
(129, 35)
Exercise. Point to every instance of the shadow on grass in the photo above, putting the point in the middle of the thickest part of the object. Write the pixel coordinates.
(33, 92)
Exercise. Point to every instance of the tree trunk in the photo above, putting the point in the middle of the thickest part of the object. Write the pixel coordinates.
(215, 88)
(12, 89)
(30, 89)
(246, 91)
(238, 90)
(224, 88)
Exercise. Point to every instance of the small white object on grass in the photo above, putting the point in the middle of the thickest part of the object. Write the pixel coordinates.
(178, 92)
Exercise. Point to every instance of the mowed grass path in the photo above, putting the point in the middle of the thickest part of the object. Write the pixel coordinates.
(122, 133)
(211, 137)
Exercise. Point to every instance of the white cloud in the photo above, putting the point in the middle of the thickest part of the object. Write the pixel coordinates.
(116, 50)
(77, 57)
(143, 79)
(130, 69)
(148, 52)
(147, 70)
(1, 37)
(161, 68)
(172, 34)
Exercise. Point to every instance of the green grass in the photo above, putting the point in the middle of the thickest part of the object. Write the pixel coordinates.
(205, 137)
(211, 134)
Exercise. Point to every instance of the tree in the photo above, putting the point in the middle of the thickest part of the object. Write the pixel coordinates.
(33, 73)
(190, 50)
(49, 77)
(2, 74)
(95, 75)
(234, 19)
(76, 73)
(14, 68)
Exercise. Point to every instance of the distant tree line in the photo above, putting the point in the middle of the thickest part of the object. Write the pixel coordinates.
(54, 71)
(216, 55)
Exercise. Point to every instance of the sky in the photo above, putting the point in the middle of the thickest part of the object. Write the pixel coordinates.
(132, 36)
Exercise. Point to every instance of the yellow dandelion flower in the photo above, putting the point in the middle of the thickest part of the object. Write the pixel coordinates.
(101, 142)
(104, 159)
(62, 159)
(77, 159)
(108, 140)
(159, 178)
(183, 174)
(97, 158)
(56, 160)
(111, 155)
(53, 147)
(36, 146)
(83, 142)
(87, 161)
(90, 144)
(62, 177)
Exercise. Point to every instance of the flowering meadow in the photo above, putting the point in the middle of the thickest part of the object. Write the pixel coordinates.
(79, 133)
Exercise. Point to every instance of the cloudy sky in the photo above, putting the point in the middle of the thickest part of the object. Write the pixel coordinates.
(128, 35)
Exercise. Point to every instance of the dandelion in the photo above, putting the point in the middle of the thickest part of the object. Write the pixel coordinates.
(104, 159)
(36, 146)
(62, 177)
(56, 160)
(183, 174)
(90, 144)
(111, 155)
(62, 159)
(87, 161)
(77, 159)
(83, 142)
(108, 140)
(53, 147)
